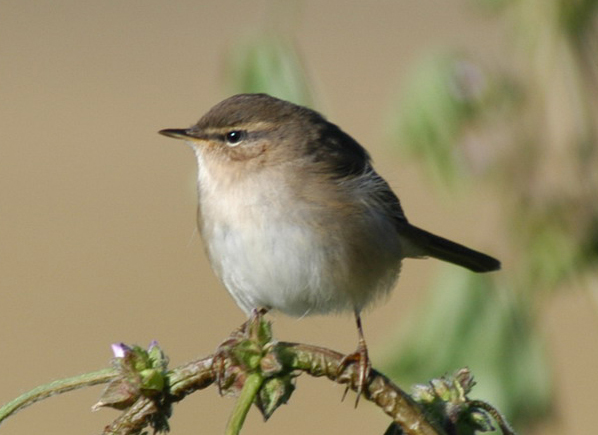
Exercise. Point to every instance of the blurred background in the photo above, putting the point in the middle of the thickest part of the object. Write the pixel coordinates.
(480, 114)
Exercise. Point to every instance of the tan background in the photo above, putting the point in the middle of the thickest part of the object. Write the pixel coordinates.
(97, 240)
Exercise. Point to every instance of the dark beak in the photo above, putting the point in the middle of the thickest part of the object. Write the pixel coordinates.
(177, 133)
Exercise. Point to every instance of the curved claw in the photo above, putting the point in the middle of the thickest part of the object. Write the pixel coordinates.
(361, 359)
(220, 357)
(224, 350)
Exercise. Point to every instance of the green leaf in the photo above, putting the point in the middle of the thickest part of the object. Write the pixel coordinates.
(274, 392)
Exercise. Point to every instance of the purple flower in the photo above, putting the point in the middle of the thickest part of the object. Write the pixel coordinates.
(120, 350)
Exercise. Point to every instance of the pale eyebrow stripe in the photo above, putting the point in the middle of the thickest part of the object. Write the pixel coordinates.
(262, 125)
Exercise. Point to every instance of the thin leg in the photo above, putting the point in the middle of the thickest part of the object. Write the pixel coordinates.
(363, 362)
(360, 358)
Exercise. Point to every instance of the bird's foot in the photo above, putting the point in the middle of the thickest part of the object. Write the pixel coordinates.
(225, 349)
(361, 359)
(220, 358)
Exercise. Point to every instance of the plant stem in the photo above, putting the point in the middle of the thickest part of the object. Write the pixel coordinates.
(250, 389)
(56, 387)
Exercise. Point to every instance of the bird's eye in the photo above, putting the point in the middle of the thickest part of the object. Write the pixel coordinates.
(235, 137)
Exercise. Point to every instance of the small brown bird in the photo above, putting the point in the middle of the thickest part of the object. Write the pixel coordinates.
(295, 218)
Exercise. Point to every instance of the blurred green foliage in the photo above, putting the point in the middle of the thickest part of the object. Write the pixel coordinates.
(443, 102)
(530, 136)
(268, 63)
(467, 320)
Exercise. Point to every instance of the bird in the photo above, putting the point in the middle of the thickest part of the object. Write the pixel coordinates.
(294, 218)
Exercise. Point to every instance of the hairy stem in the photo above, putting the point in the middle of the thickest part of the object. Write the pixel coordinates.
(56, 387)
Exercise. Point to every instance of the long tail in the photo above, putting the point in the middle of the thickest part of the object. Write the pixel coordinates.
(428, 244)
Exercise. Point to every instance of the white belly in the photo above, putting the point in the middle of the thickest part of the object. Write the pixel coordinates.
(277, 268)
(269, 251)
